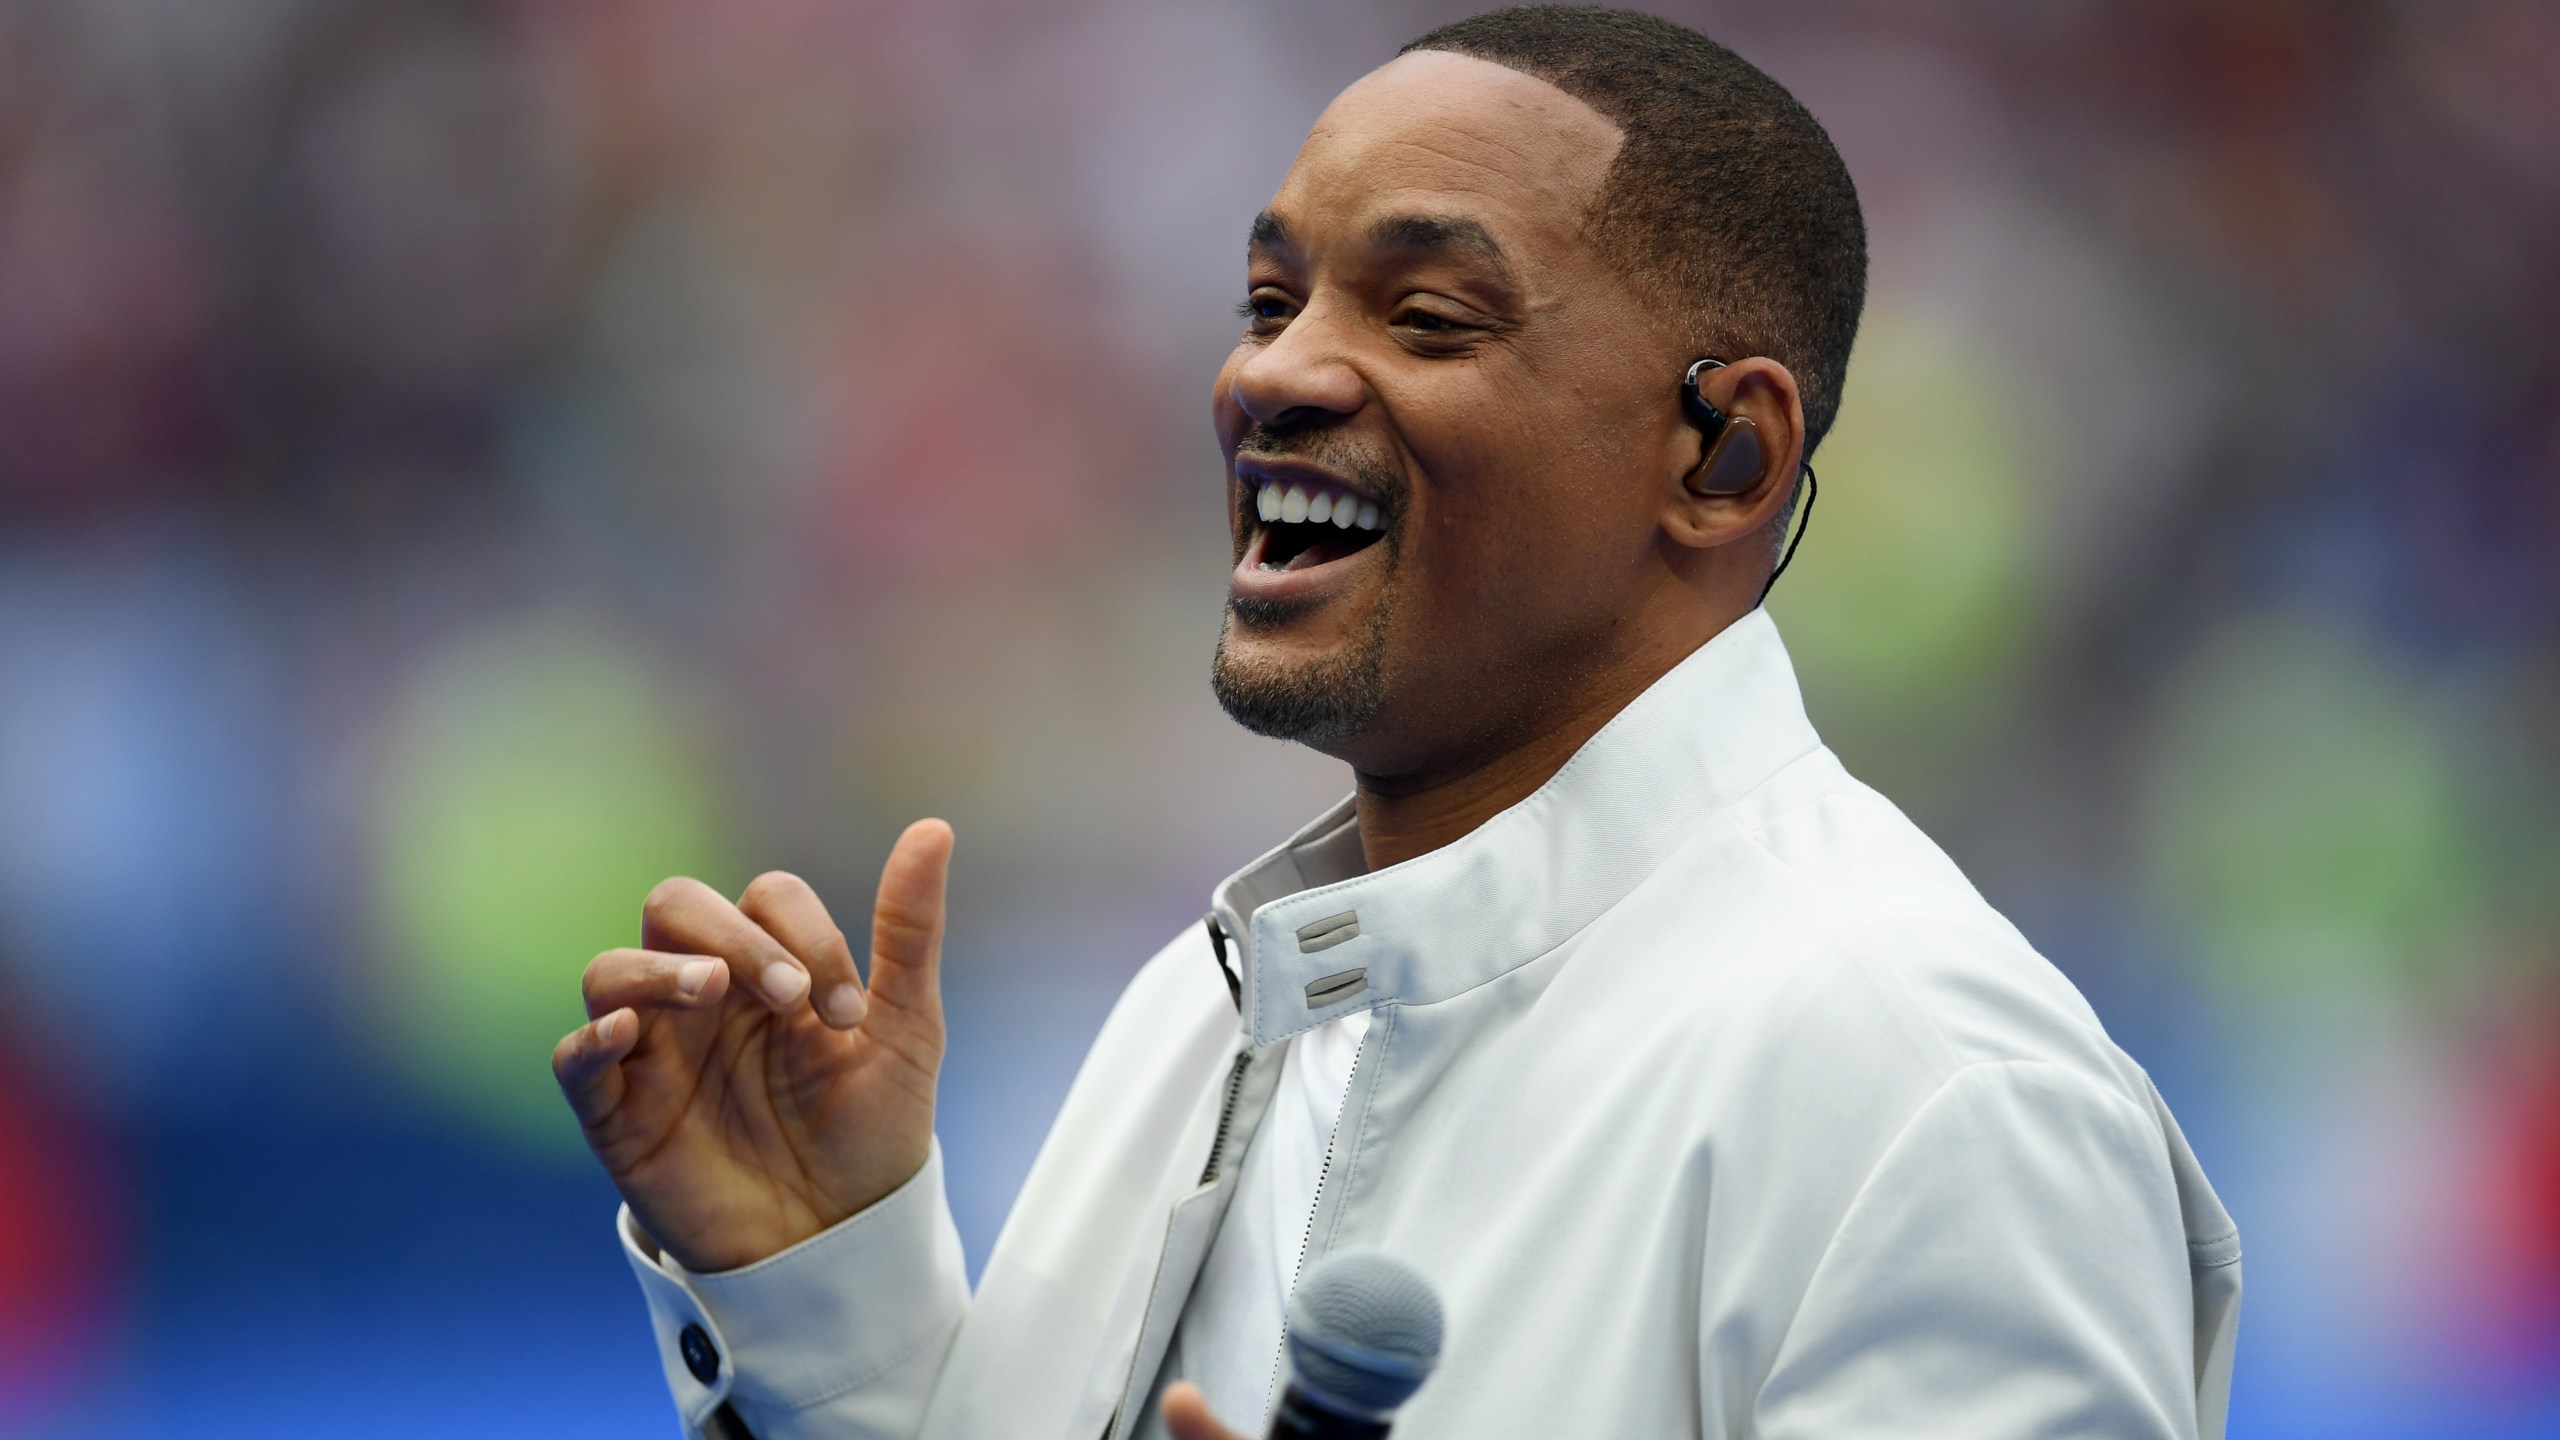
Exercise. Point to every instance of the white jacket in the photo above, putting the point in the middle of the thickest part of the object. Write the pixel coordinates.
(1708, 1093)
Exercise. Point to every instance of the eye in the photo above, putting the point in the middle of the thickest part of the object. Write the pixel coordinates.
(1432, 328)
(1266, 310)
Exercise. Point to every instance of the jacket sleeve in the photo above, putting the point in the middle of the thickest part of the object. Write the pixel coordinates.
(2014, 1266)
(839, 1337)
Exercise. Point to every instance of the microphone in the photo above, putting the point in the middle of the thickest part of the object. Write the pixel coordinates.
(1364, 1332)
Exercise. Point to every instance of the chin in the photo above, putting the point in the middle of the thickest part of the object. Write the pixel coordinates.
(1273, 682)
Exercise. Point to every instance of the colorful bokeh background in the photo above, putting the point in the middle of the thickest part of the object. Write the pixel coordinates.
(461, 460)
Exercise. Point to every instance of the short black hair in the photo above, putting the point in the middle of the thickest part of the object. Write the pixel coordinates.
(1726, 200)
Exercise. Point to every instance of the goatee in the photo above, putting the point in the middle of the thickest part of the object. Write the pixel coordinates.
(1314, 702)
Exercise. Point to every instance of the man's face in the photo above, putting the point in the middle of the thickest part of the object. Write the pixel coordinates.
(1435, 354)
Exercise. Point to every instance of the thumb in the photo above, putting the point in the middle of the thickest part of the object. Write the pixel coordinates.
(1186, 1415)
(906, 927)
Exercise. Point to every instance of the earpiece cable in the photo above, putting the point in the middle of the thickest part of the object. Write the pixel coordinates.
(1804, 522)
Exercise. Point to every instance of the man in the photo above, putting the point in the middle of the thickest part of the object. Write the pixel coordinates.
(1710, 1097)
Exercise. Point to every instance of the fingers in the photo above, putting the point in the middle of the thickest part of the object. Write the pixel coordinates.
(906, 924)
(791, 912)
(587, 1064)
(1186, 1415)
(654, 980)
(779, 941)
(684, 916)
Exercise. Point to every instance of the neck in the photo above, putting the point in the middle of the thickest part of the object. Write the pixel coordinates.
(1416, 812)
(1400, 819)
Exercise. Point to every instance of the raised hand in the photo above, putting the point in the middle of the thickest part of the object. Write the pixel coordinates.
(741, 1085)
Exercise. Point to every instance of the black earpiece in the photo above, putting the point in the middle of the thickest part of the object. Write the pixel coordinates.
(1730, 463)
(1709, 418)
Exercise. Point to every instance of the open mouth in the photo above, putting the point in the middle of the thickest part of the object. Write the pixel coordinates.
(1309, 523)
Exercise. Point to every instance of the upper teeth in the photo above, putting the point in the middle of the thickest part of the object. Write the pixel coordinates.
(1293, 504)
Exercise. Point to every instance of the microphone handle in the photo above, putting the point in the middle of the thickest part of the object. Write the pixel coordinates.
(1300, 1418)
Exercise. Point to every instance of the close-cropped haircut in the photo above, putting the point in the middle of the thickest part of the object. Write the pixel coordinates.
(1726, 203)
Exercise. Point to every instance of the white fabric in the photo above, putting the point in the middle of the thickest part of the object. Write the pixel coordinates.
(1705, 1090)
(1228, 1342)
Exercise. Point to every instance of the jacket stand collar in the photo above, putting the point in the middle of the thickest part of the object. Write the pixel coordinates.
(1314, 937)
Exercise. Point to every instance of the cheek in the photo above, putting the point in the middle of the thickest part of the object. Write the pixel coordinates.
(1530, 527)
(1477, 440)
(1525, 476)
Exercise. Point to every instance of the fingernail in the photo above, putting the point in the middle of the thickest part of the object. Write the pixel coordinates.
(844, 1004)
(784, 984)
(693, 976)
(609, 1029)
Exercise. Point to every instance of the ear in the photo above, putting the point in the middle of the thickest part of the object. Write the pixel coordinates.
(1739, 480)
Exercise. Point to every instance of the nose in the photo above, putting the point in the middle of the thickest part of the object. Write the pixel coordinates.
(1299, 377)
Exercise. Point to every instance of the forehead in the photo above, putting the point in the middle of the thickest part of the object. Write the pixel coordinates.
(1434, 133)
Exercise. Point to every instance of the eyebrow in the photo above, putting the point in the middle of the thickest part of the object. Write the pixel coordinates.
(1441, 232)
(1403, 232)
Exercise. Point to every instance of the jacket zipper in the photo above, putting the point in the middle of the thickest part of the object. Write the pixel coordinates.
(1217, 1143)
(1227, 1116)
(1324, 1172)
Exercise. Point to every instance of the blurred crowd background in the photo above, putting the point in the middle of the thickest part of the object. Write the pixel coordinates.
(462, 460)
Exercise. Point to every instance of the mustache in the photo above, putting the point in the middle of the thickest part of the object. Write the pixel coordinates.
(1329, 450)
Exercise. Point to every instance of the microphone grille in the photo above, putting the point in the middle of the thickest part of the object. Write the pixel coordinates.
(1364, 1330)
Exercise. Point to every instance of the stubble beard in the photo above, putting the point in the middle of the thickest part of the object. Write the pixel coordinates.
(1313, 702)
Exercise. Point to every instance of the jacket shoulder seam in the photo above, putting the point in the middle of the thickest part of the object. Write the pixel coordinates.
(1853, 931)
(1856, 929)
